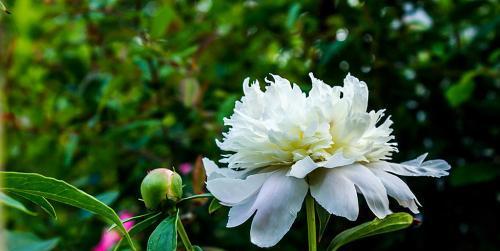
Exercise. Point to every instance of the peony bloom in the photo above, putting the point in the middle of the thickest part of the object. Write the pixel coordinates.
(283, 143)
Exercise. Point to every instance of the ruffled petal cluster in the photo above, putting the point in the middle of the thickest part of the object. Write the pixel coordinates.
(283, 143)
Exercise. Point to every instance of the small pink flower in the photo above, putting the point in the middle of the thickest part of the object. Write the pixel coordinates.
(185, 168)
(109, 239)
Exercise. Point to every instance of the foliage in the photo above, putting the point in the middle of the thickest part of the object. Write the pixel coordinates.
(164, 237)
(49, 188)
(99, 92)
(390, 223)
(21, 241)
(10, 202)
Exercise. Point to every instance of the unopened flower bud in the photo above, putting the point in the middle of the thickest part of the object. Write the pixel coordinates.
(159, 185)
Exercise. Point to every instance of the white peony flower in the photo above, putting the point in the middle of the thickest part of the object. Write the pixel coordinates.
(282, 143)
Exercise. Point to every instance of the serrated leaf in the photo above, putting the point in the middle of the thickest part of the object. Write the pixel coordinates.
(164, 237)
(63, 192)
(214, 206)
(323, 218)
(21, 241)
(13, 203)
(40, 201)
(390, 223)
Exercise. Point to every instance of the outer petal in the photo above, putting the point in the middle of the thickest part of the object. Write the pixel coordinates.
(231, 191)
(278, 202)
(417, 167)
(339, 183)
(397, 189)
(334, 192)
(242, 212)
(336, 160)
(371, 187)
(302, 167)
(210, 167)
(213, 171)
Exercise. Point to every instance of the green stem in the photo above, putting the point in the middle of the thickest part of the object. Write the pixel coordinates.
(183, 235)
(197, 196)
(311, 222)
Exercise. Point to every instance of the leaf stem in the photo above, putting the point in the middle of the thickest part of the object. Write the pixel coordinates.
(197, 196)
(183, 235)
(311, 222)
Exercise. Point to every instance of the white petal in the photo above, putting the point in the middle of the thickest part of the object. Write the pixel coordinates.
(210, 166)
(356, 126)
(434, 168)
(338, 159)
(302, 167)
(231, 191)
(335, 193)
(213, 171)
(357, 92)
(242, 212)
(369, 185)
(397, 189)
(278, 202)
(416, 162)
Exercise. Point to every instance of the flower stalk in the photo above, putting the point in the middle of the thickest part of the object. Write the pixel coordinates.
(311, 222)
(184, 237)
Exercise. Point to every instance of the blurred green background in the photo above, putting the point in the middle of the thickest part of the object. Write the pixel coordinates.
(99, 92)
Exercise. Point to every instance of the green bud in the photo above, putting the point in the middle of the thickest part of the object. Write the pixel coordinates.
(159, 185)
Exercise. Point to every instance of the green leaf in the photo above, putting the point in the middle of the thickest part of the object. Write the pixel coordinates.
(462, 91)
(107, 198)
(11, 202)
(40, 201)
(323, 218)
(161, 19)
(197, 248)
(293, 14)
(63, 192)
(4, 8)
(214, 206)
(226, 108)
(21, 241)
(70, 149)
(164, 237)
(133, 219)
(332, 49)
(139, 227)
(393, 222)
